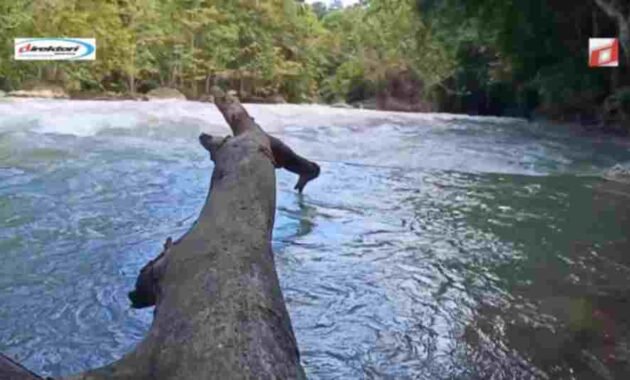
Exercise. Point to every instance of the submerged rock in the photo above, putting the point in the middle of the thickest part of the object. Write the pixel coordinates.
(403, 92)
(47, 91)
(276, 99)
(270, 99)
(105, 95)
(370, 104)
(618, 173)
(341, 105)
(206, 98)
(165, 93)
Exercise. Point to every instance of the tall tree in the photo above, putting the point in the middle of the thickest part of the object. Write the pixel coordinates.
(619, 12)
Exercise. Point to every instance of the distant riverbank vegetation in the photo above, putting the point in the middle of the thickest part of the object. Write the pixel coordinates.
(498, 57)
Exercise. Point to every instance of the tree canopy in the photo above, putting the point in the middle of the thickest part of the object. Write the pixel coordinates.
(258, 47)
(476, 56)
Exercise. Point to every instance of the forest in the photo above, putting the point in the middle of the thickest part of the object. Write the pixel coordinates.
(526, 58)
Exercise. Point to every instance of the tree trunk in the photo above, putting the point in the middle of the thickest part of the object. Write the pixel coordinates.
(10, 370)
(132, 73)
(193, 80)
(241, 87)
(171, 82)
(624, 40)
(207, 83)
(615, 79)
(219, 312)
(595, 25)
(132, 84)
(619, 11)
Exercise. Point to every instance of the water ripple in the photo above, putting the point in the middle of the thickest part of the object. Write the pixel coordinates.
(432, 246)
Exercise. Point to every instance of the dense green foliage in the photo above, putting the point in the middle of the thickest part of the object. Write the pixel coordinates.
(517, 56)
(258, 47)
(507, 57)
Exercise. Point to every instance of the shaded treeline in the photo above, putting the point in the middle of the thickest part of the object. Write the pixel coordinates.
(524, 56)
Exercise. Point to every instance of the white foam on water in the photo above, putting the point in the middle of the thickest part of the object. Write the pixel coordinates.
(356, 136)
(88, 118)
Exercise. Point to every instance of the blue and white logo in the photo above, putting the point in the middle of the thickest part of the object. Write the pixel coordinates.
(55, 49)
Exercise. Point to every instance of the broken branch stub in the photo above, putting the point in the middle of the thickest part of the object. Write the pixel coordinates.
(283, 157)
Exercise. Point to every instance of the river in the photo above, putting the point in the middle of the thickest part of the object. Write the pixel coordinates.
(432, 246)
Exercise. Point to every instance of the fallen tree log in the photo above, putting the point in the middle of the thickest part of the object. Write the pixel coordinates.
(11, 370)
(219, 311)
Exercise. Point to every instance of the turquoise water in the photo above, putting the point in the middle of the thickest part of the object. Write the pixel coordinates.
(431, 247)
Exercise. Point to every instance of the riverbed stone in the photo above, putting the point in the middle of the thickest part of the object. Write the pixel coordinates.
(161, 93)
(46, 91)
(341, 105)
(618, 173)
(206, 98)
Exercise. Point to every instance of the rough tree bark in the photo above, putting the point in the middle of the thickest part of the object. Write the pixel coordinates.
(10, 370)
(219, 310)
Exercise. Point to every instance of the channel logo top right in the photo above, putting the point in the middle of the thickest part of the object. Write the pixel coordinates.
(603, 52)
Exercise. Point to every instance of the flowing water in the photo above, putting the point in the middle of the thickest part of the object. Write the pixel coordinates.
(431, 247)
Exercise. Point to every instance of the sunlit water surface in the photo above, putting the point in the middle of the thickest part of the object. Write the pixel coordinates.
(431, 247)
